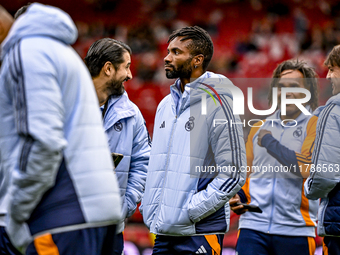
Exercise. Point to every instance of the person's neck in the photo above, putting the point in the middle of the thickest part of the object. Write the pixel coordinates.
(101, 91)
(194, 75)
(6, 24)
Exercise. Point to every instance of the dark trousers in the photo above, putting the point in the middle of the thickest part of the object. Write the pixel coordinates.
(187, 245)
(90, 241)
(119, 244)
(331, 245)
(6, 246)
(251, 242)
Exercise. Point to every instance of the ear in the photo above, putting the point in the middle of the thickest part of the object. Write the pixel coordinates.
(6, 21)
(2, 30)
(198, 60)
(108, 69)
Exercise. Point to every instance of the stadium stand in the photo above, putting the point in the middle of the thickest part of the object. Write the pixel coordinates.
(250, 36)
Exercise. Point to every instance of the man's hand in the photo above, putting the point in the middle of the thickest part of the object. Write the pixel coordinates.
(262, 133)
(238, 209)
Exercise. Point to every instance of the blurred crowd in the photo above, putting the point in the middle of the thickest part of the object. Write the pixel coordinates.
(250, 36)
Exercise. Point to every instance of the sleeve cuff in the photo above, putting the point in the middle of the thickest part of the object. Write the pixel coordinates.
(266, 140)
(242, 196)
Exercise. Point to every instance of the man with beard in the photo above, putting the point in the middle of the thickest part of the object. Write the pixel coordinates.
(109, 61)
(187, 207)
(324, 179)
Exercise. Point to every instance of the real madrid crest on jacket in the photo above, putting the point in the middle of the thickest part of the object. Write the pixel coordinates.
(298, 132)
(178, 199)
(127, 134)
(118, 126)
(190, 124)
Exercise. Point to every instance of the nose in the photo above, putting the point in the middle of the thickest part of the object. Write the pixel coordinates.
(328, 77)
(167, 59)
(289, 94)
(129, 74)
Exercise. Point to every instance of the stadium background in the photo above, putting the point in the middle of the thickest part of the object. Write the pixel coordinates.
(250, 38)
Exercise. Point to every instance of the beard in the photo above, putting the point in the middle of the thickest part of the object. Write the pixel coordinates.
(115, 88)
(182, 71)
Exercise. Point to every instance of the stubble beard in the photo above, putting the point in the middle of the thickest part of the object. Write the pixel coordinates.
(116, 88)
(183, 71)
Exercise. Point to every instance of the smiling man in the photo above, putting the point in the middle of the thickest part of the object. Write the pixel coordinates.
(282, 156)
(187, 210)
(109, 61)
(324, 181)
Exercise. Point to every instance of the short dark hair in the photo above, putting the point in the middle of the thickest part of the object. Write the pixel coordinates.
(333, 58)
(311, 81)
(21, 11)
(201, 42)
(104, 50)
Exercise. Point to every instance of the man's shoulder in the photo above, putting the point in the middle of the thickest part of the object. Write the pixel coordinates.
(329, 121)
(330, 110)
(335, 109)
(165, 102)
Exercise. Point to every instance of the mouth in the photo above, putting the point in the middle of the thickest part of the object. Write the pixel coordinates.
(168, 67)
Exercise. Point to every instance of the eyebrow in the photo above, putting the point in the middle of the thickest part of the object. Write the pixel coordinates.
(290, 82)
(286, 72)
(175, 48)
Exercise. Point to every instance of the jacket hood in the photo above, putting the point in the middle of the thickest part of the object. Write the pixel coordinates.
(333, 100)
(208, 82)
(301, 118)
(211, 82)
(41, 20)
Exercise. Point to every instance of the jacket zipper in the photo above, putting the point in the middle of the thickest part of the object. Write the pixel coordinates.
(165, 175)
(273, 191)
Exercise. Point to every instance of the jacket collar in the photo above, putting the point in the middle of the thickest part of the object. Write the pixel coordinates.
(118, 108)
(177, 95)
(193, 90)
(333, 100)
(299, 119)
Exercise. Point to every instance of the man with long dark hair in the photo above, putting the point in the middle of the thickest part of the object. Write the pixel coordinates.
(109, 61)
(280, 157)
